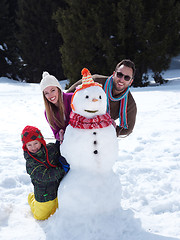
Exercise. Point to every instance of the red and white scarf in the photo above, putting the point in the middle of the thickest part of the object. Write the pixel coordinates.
(99, 121)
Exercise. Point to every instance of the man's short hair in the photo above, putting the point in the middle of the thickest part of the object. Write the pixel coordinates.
(127, 63)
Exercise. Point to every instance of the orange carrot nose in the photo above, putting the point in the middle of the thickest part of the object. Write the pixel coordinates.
(95, 100)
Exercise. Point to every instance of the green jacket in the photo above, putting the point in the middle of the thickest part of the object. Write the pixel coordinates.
(45, 180)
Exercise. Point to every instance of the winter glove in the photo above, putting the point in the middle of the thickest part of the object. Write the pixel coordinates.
(64, 164)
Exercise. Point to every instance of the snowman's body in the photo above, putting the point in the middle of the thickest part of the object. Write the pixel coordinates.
(91, 154)
(92, 149)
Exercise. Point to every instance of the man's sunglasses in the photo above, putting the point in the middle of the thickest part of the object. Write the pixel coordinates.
(126, 77)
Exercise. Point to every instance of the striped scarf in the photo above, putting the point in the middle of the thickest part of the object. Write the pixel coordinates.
(123, 102)
(99, 121)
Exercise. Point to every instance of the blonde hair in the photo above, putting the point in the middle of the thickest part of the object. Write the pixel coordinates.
(53, 112)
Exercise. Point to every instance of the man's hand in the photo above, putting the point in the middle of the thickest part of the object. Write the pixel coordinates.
(113, 123)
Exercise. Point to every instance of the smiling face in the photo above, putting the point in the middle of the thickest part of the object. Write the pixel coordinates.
(119, 83)
(90, 102)
(33, 146)
(51, 93)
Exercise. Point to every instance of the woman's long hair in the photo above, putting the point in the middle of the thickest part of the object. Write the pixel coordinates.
(55, 114)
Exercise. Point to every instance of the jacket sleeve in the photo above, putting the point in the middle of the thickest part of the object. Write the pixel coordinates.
(96, 77)
(39, 172)
(55, 131)
(67, 105)
(73, 87)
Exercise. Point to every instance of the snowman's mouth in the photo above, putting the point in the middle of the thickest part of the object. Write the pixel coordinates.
(91, 111)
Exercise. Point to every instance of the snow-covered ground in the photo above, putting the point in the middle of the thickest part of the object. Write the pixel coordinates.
(148, 164)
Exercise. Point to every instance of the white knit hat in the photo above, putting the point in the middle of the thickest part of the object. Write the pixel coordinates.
(49, 80)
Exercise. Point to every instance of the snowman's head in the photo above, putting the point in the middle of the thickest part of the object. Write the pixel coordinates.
(89, 99)
(90, 102)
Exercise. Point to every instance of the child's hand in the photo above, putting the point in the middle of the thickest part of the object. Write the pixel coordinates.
(64, 163)
(61, 135)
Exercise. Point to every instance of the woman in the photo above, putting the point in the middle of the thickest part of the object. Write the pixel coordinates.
(57, 105)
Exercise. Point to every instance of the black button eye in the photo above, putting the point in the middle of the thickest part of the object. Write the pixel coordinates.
(87, 96)
(100, 97)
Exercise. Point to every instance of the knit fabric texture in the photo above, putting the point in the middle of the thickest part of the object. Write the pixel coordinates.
(99, 121)
(87, 81)
(49, 80)
(123, 102)
(29, 134)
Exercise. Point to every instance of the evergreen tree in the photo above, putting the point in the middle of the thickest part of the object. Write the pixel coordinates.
(81, 47)
(99, 34)
(9, 64)
(109, 33)
(38, 39)
(164, 41)
(3, 47)
(151, 35)
(132, 41)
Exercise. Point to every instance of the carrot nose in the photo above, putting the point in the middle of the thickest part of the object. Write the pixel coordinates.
(94, 99)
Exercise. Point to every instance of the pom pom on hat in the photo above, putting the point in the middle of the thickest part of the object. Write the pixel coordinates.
(85, 72)
(45, 74)
(49, 80)
(29, 134)
(87, 80)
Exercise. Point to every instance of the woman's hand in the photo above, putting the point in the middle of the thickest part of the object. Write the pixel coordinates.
(61, 135)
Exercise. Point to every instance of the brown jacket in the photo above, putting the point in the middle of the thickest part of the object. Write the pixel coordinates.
(114, 106)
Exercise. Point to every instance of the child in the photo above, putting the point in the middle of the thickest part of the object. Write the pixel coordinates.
(46, 172)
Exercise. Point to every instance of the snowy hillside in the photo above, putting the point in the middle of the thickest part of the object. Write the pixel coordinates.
(148, 165)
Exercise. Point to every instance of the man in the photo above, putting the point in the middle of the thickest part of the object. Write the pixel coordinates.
(120, 102)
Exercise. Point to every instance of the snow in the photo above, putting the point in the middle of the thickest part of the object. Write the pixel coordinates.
(148, 167)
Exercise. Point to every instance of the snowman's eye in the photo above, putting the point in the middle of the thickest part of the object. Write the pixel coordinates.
(87, 96)
(100, 97)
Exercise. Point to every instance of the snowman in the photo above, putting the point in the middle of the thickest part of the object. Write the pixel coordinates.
(89, 196)
(90, 140)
